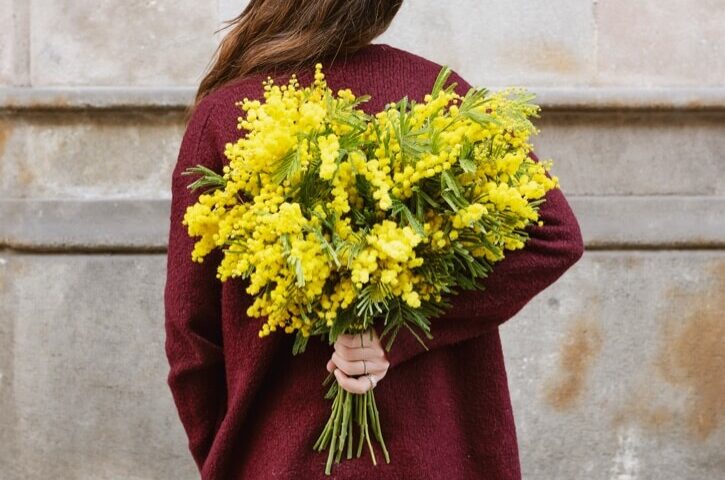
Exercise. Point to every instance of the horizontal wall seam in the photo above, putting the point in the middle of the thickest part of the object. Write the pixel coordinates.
(105, 225)
(179, 97)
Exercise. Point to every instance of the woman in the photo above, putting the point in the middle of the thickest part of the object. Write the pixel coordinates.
(252, 410)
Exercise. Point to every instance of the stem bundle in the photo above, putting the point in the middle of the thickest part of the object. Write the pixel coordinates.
(348, 409)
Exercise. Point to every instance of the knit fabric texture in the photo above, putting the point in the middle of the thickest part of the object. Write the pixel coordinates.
(252, 410)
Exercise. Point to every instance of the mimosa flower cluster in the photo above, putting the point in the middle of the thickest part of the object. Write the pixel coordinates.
(341, 220)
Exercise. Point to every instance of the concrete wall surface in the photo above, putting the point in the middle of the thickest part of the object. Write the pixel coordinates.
(615, 371)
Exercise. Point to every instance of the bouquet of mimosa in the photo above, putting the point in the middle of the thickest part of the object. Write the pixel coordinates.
(341, 220)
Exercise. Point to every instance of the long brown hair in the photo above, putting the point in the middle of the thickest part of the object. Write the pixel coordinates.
(291, 33)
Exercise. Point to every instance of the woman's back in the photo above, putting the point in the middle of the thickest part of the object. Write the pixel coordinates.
(253, 410)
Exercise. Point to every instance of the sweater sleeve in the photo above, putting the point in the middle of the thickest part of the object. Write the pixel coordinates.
(521, 275)
(192, 303)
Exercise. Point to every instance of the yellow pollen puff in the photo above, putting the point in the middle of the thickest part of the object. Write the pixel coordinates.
(318, 200)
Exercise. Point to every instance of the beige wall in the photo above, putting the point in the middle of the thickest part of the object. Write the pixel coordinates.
(615, 371)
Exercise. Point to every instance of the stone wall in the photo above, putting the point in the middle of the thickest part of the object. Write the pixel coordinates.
(615, 370)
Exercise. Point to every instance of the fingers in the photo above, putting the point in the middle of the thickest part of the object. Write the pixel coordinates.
(357, 354)
(371, 351)
(359, 340)
(347, 361)
(357, 385)
(357, 367)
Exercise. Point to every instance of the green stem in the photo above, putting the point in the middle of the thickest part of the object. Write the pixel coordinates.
(335, 428)
(349, 433)
(376, 426)
(360, 422)
(345, 417)
(324, 436)
(367, 432)
(348, 408)
(347, 397)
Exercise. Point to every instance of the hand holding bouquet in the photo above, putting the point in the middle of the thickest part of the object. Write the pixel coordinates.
(341, 220)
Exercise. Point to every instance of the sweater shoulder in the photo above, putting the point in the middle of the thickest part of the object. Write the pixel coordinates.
(226, 96)
(398, 72)
(414, 58)
(397, 61)
(428, 69)
(218, 112)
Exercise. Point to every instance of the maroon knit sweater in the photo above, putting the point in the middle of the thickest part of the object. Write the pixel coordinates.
(252, 410)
